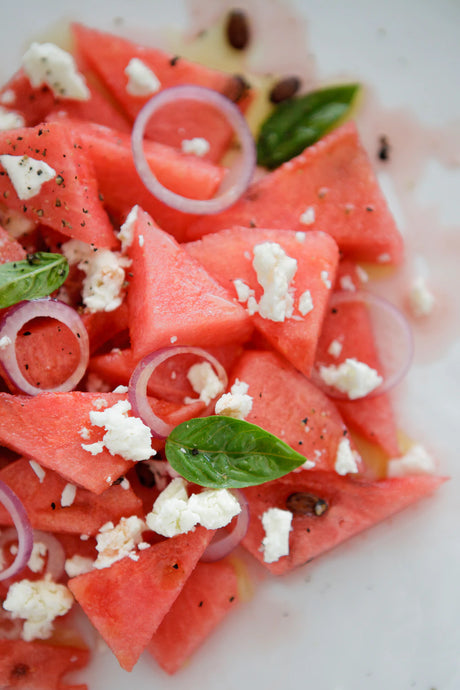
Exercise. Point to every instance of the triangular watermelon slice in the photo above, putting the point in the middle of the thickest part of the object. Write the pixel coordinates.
(49, 428)
(208, 595)
(172, 299)
(109, 55)
(335, 179)
(353, 505)
(85, 515)
(70, 201)
(228, 255)
(127, 601)
(39, 665)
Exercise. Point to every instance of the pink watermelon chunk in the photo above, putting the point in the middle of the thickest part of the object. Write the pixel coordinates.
(127, 601)
(171, 296)
(334, 178)
(32, 103)
(47, 428)
(228, 254)
(122, 188)
(39, 665)
(10, 249)
(109, 55)
(353, 505)
(209, 594)
(288, 405)
(87, 512)
(69, 202)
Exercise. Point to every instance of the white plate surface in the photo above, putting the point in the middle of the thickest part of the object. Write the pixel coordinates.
(382, 611)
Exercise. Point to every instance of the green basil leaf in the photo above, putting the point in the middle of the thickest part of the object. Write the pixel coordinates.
(37, 276)
(301, 121)
(222, 452)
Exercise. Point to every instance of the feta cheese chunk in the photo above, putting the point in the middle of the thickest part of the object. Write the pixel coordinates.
(39, 603)
(352, 377)
(335, 348)
(243, 291)
(275, 271)
(27, 175)
(117, 542)
(46, 63)
(125, 436)
(215, 508)
(38, 469)
(78, 565)
(416, 461)
(68, 495)
(346, 459)
(142, 81)
(10, 119)
(308, 216)
(421, 299)
(305, 303)
(277, 525)
(237, 403)
(125, 234)
(196, 146)
(104, 281)
(204, 381)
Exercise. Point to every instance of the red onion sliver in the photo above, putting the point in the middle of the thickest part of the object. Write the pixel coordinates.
(23, 529)
(393, 340)
(137, 390)
(224, 542)
(235, 182)
(22, 313)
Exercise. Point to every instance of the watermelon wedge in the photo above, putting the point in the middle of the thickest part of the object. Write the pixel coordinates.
(228, 255)
(172, 299)
(209, 594)
(353, 505)
(127, 601)
(69, 202)
(334, 178)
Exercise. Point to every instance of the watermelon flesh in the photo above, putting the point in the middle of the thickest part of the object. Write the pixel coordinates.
(209, 594)
(334, 177)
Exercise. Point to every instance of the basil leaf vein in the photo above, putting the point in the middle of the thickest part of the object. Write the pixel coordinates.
(37, 276)
(223, 452)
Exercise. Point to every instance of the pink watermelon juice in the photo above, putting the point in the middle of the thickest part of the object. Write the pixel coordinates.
(251, 285)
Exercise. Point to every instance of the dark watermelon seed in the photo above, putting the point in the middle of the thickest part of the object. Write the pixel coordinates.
(237, 29)
(19, 671)
(303, 503)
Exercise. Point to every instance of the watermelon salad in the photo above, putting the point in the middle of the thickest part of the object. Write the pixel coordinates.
(192, 371)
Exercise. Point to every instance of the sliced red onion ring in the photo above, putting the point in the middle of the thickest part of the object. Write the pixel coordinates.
(393, 339)
(55, 554)
(235, 182)
(137, 390)
(22, 313)
(23, 529)
(224, 542)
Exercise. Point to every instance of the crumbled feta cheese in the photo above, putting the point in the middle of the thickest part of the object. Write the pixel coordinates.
(277, 525)
(39, 603)
(27, 174)
(142, 81)
(346, 283)
(8, 97)
(46, 63)
(308, 216)
(125, 484)
(362, 274)
(5, 342)
(421, 299)
(93, 448)
(237, 403)
(175, 513)
(352, 377)
(99, 403)
(335, 348)
(120, 389)
(76, 251)
(10, 120)
(300, 236)
(173, 339)
(38, 469)
(416, 461)
(125, 234)
(305, 302)
(197, 146)
(205, 382)
(243, 291)
(325, 279)
(84, 433)
(37, 557)
(68, 495)
(78, 565)
(104, 280)
(125, 436)
(275, 270)
(308, 465)
(345, 459)
(140, 239)
(117, 542)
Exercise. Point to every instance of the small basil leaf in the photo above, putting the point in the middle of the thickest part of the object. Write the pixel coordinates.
(222, 452)
(37, 276)
(300, 122)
